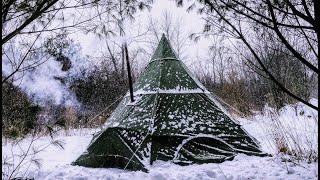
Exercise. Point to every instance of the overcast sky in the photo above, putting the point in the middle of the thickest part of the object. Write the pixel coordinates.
(192, 23)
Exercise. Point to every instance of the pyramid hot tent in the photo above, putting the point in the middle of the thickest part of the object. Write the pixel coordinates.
(173, 118)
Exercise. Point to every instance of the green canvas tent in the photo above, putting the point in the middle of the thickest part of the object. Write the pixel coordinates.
(173, 118)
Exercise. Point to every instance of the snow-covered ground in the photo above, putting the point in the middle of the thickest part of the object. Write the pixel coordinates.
(54, 162)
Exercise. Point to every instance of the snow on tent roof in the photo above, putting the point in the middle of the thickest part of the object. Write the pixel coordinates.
(173, 118)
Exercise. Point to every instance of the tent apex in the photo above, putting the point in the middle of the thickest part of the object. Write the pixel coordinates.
(164, 50)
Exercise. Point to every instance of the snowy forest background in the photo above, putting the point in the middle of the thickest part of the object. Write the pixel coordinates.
(252, 55)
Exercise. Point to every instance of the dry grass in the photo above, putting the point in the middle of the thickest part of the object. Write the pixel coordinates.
(295, 136)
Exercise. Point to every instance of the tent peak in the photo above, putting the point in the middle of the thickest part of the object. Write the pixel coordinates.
(163, 36)
(164, 50)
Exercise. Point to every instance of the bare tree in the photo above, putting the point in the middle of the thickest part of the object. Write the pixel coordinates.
(26, 23)
(285, 21)
(172, 28)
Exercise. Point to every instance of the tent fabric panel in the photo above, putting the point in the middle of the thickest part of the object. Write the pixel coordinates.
(175, 77)
(149, 79)
(164, 147)
(134, 116)
(121, 112)
(165, 75)
(138, 141)
(204, 150)
(194, 150)
(109, 150)
(190, 114)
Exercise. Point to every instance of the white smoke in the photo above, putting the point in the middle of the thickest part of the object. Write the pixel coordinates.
(43, 83)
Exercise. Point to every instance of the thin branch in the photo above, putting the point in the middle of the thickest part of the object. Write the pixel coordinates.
(259, 21)
(284, 89)
(306, 9)
(309, 19)
(54, 9)
(287, 44)
(5, 11)
(25, 56)
(63, 27)
(38, 12)
(307, 38)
